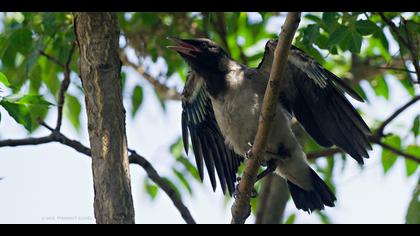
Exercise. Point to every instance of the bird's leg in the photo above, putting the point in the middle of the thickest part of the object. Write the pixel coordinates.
(271, 167)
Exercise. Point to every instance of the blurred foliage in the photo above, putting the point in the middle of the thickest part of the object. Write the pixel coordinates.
(356, 46)
(413, 216)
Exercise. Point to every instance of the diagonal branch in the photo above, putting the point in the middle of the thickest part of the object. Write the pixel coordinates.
(380, 131)
(134, 158)
(64, 87)
(155, 177)
(395, 150)
(241, 206)
(162, 89)
(51, 58)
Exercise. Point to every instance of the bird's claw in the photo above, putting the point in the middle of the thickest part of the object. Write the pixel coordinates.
(237, 194)
(250, 155)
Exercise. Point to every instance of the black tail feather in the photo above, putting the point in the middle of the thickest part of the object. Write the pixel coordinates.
(316, 199)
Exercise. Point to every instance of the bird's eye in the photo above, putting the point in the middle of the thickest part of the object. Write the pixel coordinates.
(204, 45)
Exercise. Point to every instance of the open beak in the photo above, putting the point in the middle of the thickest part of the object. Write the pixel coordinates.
(183, 47)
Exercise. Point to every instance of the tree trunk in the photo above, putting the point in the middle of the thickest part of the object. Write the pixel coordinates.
(272, 201)
(98, 39)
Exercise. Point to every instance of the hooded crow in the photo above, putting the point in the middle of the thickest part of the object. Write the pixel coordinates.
(222, 100)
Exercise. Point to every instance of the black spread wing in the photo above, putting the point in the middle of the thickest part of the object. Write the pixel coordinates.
(208, 144)
(318, 102)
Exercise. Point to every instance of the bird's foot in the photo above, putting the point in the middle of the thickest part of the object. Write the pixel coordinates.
(250, 156)
(237, 194)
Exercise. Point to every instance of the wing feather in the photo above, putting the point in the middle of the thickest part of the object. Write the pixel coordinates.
(199, 123)
(316, 97)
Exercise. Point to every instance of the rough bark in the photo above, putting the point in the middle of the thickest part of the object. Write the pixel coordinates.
(98, 39)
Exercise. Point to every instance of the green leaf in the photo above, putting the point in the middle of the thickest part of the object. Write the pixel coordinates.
(382, 38)
(380, 87)
(150, 188)
(253, 202)
(413, 212)
(338, 35)
(37, 112)
(361, 92)
(183, 180)
(291, 219)
(366, 27)
(410, 165)
(311, 33)
(389, 158)
(177, 150)
(313, 18)
(136, 100)
(416, 126)
(72, 110)
(409, 86)
(19, 112)
(325, 219)
(330, 20)
(189, 167)
(355, 42)
(22, 40)
(4, 80)
(34, 100)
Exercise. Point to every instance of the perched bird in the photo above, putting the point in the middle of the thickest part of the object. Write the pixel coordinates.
(222, 100)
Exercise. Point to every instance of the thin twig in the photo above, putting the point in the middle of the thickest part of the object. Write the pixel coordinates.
(241, 206)
(220, 28)
(51, 58)
(380, 131)
(394, 28)
(64, 87)
(169, 93)
(396, 150)
(405, 41)
(395, 68)
(323, 153)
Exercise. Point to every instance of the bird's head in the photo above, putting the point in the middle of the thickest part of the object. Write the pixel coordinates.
(203, 55)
